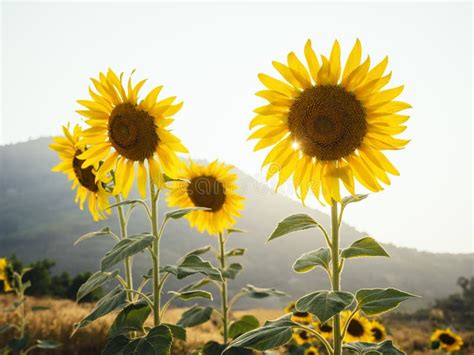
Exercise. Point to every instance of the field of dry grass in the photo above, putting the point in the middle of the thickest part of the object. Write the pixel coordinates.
(56, 324)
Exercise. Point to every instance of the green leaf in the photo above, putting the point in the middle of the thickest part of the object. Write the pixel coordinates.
(47, 344)
(104, 232)
(116, 345)
(187, 295)
(126, 203)
(362, 348)
(125, 248)
(257, 292)
(191, 265)
(308, 261)
(375, 301)
(364, 247)
(131, 318)
(5, 328)
(294, 223)
(214, 348)
(232, 270)
(177, 331)
(157, 341)
(351, 199)
(195, 285)
(324, 304)
(180, 213)
(243, 325)
(115, 299)
(194, 316)
(199, 251)
(96, 280)
(272, 335)
(17, 345)
(236, 252)
(39, 308)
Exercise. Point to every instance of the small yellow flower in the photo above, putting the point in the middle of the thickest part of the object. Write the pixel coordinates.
(212, 186)
(302, 337)
(378, 331)
(328, 123)
(125, 132)
(358, 329)
(4, 276)
(311, 351)
(299, 317)
(447, 340)
(88, 184)
(324, 329)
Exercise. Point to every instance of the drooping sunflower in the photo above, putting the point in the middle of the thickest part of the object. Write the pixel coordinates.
(4, 275)
(447, 340)
(302, 337)
(89, 185)
(311, 351)
(329, 124)
(324, 329)
(378, 331)
(125, 131)
(299, 317)
(212, 186)
(359, 328)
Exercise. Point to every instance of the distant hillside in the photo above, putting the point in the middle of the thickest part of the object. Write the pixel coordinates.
(39, 219)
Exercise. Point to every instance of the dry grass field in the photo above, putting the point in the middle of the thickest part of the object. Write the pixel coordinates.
(56, 324)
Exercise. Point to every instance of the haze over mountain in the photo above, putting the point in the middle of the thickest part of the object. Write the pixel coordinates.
(39, 219)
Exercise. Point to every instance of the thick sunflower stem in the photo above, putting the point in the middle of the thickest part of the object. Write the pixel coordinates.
(224, 301)
(336, 277)
(156, 252)
(128, 260)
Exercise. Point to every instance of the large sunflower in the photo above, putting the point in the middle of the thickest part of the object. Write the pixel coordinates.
(359, 328)
(212, 186)
(88, 184)
(329, 124)
(125, 130)
(447, 340)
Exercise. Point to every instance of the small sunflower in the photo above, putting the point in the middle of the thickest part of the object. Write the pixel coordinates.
(311, 351)
(88, 184)
(378, 331)
(324, 329)
(125, 131)
(329, 124)
(359, 328)
(447, 340)
(4, 275)
(302, 337)
(212, 186)
(299, 317)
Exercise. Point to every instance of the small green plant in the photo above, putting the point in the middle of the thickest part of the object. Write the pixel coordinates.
(21, 343)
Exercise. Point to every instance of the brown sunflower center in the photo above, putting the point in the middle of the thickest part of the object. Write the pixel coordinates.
(304, 335)
(447, 339)
(355, 328)
(325, 328)
(85, 176)
(377, 333)
(310, 352)
(132, 132)
(328, 122)
(206, 191)
(301, 314)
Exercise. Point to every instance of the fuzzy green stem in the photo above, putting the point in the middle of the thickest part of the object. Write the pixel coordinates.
(156, 254)
(128, 260)
(336, 277)
(223, 289)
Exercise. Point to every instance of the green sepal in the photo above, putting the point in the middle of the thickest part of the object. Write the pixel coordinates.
(324, 304)
(309, 261)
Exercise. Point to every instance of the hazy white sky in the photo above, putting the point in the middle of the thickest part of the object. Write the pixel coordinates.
(209, 54)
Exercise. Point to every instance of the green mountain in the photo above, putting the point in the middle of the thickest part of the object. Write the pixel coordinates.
(39, 219)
